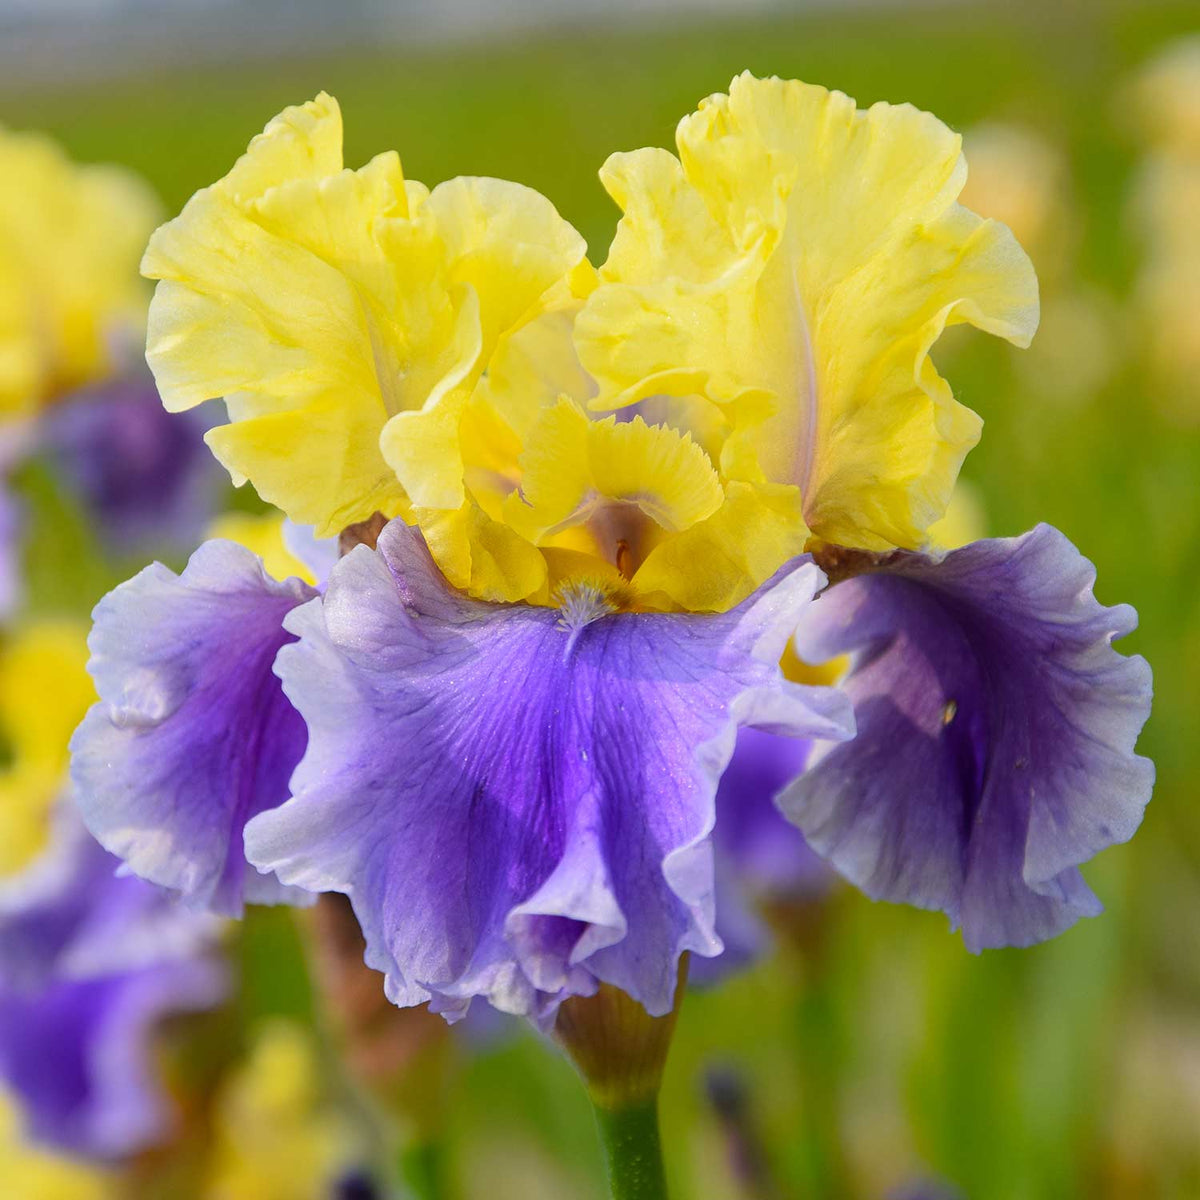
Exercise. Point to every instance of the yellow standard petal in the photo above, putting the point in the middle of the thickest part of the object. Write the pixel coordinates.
(322, 303)
(796, 264)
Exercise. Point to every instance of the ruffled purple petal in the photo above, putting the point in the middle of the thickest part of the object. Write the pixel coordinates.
(519, 808)
(192, 735)
(996, 733)
(143, 474)
(77, 1054)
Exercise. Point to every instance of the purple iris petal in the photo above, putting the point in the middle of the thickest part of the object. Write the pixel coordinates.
(760, 855)
(192, 735)
(768, 854)
(518, 807)
(78, 1053)
(145, 475)
(996, 730)
(69, 915)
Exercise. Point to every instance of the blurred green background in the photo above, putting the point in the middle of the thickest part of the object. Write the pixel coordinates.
(880, 1051)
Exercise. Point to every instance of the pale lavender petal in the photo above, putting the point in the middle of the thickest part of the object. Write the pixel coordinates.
(318, 554)
(517, 808)
(78, 1055)
(192, 735)
(997, 726)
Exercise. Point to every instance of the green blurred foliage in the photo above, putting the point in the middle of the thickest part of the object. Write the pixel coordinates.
(1049, 1074)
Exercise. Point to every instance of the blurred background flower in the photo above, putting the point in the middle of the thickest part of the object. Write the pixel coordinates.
(1061, 1072)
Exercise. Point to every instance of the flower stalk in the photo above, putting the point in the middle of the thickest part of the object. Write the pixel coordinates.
(621, 1052)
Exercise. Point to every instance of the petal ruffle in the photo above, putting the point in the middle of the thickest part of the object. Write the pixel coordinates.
(192, 735)
(796, 263)
(519, 807)
(334, 308)
(996, 733)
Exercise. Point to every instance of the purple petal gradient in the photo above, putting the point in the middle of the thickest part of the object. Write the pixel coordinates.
(760, 855)
(518, 808)
(996, 730)
(144, 475)
(192, 735)
(90, 960)
(78, 1054)
(70, 915)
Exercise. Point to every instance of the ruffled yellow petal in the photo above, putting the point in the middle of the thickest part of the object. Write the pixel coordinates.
(505, 246)
(718, 562)
(262, 534)
(324, 303)
(797, 263)
(575, 468)
(482, 555)
(71, 304)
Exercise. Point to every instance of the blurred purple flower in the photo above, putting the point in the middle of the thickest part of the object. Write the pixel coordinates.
(996, 733)
(144, 475)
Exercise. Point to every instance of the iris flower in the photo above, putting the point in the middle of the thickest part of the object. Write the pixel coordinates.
(584, 514)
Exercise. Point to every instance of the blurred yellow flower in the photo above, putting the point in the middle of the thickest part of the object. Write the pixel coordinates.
(45, 691)
(1166, 100)
(1019, 178)
(71, 302)
(29, 1173)
(275, 1137)
(794, 265)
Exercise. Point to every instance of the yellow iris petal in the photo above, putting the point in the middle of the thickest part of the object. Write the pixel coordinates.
(798, 262)
(330, 307)
(718, 562)
(71, 304)
(263, 535)
(275, 1137)
(482, 555)
(575, 468)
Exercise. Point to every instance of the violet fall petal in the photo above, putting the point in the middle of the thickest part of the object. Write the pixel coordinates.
(996, 734)
(192, 735)
(517, 808)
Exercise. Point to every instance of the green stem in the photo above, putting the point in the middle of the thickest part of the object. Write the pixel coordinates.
(422, 1170)
(634, 1150)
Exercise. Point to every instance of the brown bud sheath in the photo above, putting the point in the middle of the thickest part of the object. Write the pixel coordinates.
(619, 1049)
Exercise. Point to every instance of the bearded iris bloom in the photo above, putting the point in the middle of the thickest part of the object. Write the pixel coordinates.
(588, 510)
